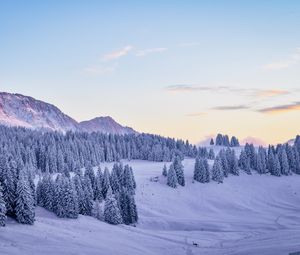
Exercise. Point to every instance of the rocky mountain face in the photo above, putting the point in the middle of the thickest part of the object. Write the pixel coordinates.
(24, 111)
(105, 125)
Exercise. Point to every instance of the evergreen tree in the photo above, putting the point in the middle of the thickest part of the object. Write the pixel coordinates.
(97, 211)
(172, 177)
(211, 141)
(276, 170)
(105, 182)
(165, 171)
(24, 202)
(211, 154)
(2, 209)
(128, 180)
(217, 171)
(112, 213)
(284, 163)
(128, 207)
(200, 171)
(178, 167)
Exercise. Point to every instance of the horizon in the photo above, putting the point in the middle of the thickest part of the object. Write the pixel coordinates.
(184, 70)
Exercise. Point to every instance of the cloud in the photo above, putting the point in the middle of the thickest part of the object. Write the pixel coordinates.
(191, 88)
(117, 54)
(254, 92)
(286, 63)
(145, 52)
(281, 108)
(271, 93)
(231, 107)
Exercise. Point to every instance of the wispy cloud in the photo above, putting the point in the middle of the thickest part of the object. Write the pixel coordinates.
(271, 93)
(281, 108)
(231, 107)
(285, 63)
(254, 92)
(117, 54)
(191, 88)
(145, 52)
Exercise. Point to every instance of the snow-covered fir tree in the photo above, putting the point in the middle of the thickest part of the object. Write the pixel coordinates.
(217, 174)
(172, 180)
(165, 171)
(97, 211)
(112, 213)
(201, 171)
(2, 208)
(178, 167)
(24, 201)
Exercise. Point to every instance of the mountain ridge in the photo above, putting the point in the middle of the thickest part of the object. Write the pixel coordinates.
(25, 111)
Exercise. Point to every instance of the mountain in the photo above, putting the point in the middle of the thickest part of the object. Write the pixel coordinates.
(25, 111)
(105, 125)
(19, 110)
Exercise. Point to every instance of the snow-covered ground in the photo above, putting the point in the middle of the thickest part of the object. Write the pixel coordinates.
(244, 215)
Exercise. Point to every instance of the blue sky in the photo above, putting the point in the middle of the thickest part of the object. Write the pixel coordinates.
(186, 69)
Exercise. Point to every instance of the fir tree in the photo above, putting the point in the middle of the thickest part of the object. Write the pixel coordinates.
(217, 171)
(200, 171)
(211, 154)
(24, 202)
(97, 211)
(165, 171)
(2, 209)
(172, 177)
(178, 167)
(105, 182)
(128, 207)
(112, 213)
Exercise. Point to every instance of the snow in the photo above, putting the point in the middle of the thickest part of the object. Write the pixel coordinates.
(244, 215)
(24, 111)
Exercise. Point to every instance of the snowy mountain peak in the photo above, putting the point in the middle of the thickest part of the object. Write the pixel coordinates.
(25, 111)
(105, 125)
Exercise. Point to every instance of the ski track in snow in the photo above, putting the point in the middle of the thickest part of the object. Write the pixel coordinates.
(244, 215)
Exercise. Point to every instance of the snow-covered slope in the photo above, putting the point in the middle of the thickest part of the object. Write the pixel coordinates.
(105, 125)
(244, 215)
(19, 110)
(24, 111)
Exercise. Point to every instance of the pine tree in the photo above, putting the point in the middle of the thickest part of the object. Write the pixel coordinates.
(128, 207)
(88, 197)
(89, 173)
(105, 182)
(217, 171)
(128, 180)
(80, 194)
(276, 170)
(24, 202)
(114, 179)
(112, 213)
(200, 171)
(284, 163)
(2, 209)
(97, 211)
(211, 141)
(165, 171)
(172, 177)
(178, 167)
(211, 154)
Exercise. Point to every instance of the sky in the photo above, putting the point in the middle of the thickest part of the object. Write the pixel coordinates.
(183, 69)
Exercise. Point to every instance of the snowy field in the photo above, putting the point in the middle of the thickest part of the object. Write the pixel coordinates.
(244, 215)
